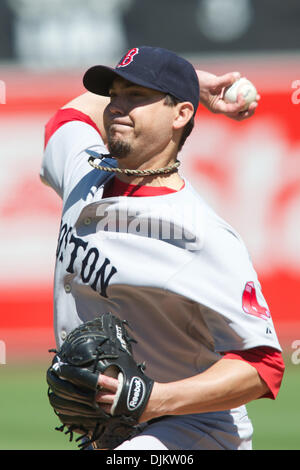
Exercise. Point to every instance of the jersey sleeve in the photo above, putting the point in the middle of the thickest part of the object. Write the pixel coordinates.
(269, 364)
(67, 134)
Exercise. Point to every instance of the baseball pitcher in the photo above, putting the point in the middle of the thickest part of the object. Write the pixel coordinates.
(163, 334)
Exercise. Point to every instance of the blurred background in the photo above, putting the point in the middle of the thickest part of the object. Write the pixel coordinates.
(249, 172)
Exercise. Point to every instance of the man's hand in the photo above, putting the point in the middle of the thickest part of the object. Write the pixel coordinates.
(100, 346)
(108, 389)
(211, 95)
(107, 394)
(229, 383)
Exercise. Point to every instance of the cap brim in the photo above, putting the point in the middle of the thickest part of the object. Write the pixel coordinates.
(98, 79)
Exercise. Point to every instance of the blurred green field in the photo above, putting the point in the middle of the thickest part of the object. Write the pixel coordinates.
(27, 421)
(277, 423)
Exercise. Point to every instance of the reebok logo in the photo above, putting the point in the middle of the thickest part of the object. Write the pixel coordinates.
(136, 393)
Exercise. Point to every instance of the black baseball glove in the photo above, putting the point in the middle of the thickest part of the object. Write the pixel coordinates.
(100, 346)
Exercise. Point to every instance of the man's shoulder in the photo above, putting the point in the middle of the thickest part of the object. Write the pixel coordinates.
(66, 116)
(68, 134)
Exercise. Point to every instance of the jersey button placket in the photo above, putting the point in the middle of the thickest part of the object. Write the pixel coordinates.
(68, 288)
(87, 221)
(63, 335)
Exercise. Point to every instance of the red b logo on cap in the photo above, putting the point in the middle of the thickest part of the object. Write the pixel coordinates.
(128, 57)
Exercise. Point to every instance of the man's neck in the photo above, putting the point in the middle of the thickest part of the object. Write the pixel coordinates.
(170, 180)
(161, 160)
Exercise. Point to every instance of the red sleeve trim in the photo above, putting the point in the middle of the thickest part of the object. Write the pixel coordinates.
(62, 117)
(269, 364)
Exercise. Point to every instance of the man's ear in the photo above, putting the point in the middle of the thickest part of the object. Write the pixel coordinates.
(184, 113)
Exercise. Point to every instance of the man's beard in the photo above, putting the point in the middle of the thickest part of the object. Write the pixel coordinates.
(118, 148)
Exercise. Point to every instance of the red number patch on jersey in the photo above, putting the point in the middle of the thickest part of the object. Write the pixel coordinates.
(128, 57)
(251, 305)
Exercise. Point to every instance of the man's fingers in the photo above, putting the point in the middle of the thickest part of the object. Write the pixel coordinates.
(229, 108)
(253, 106)
(107, 393)
(236, 110)
(107, 382)
(233, 111)
(243, 114)
(105, 397)
(223, 82)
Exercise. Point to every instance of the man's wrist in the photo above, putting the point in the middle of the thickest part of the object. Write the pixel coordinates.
(155, 407)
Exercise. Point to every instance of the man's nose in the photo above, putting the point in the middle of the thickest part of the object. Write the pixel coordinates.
(118, 105)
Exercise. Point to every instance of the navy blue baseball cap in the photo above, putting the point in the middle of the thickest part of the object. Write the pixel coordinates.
(150, 67)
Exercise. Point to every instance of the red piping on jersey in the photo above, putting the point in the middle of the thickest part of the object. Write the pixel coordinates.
(63, 116)
(116, 187)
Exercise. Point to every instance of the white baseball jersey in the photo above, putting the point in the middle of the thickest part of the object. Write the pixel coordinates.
(168, 264)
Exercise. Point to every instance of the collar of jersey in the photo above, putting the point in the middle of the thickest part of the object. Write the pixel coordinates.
(119, 188)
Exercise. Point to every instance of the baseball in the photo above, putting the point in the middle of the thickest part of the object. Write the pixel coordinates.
(242, 86)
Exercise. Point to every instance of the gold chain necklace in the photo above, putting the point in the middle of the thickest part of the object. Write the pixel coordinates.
(95, 159)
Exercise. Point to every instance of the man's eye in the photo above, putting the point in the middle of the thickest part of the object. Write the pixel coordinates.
(136, 93)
